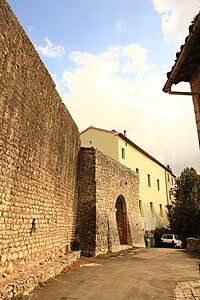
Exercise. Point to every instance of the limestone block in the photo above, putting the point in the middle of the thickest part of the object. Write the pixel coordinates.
(10, 268)
(3, 258)
(14, 256)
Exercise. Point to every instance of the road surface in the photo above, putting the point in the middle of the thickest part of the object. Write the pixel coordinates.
(144, 274)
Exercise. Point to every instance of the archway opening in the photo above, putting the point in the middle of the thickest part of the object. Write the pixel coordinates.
(121, 218)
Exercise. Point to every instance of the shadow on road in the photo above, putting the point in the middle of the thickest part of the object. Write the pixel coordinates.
(193, 254)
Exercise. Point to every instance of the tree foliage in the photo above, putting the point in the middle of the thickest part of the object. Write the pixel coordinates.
(184, 212)
(158, 232)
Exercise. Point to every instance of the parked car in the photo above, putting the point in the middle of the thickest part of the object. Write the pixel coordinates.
(171, 240)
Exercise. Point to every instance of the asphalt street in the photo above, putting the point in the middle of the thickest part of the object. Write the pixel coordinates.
(132, 274)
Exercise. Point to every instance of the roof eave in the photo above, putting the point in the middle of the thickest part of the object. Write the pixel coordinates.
(192, 38)
(144, 153)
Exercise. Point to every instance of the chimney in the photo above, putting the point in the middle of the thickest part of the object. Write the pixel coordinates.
(169, 168)
(125, 133)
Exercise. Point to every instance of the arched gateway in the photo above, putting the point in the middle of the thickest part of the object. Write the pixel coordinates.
(108, 205)
(121, 218)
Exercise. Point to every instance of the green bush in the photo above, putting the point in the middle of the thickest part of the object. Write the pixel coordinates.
(158, 232)
(75, 245)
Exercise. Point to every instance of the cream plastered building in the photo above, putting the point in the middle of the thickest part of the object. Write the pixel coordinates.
(156, 180)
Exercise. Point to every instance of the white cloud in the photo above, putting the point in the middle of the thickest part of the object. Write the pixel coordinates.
(120, 25)
(30, 28)
(176, 16)
(137, 55)
(102, 95)
(51, 49)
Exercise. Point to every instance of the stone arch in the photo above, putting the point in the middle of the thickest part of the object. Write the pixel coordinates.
(121, 219)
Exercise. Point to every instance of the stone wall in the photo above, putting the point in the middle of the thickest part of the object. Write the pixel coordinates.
(39, 146)
(193, 244)
(87, 202)
(195, 87)
(25, 282)
(102, 182)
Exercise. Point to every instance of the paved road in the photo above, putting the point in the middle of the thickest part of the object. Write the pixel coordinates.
(144, 274)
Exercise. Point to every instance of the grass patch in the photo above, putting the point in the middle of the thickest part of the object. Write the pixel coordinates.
(41, 284)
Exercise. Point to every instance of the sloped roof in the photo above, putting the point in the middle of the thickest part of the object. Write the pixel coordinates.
(122, 136)
(187, 59)
(99, 129)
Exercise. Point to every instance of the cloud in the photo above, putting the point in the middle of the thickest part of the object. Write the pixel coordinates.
(51, 49)
(176, 16)
(30, 28)
(102, 94)
(137, 56)
(120, 25)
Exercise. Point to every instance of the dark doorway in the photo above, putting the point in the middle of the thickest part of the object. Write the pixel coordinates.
(121, 218)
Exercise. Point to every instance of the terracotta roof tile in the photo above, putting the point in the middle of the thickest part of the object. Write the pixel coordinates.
(191, 58)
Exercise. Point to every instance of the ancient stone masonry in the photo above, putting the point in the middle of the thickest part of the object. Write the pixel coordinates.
(39, 146)
(51, 192)
(195, 87)
(193, 244)
(25, 282)
(108, 204)
(87, 202)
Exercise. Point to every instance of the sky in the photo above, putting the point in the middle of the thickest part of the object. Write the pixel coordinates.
(109, 60)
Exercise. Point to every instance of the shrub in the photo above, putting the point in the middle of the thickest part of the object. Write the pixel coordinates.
(158, 232)
(75, 246)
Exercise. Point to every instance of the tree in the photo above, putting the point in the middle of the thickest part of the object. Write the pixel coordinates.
(184, 212)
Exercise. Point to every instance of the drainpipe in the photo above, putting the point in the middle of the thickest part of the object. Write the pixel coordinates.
(182, 93)
(166, 186)
(193, 36)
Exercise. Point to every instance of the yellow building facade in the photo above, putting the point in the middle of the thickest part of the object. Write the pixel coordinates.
(156, 180)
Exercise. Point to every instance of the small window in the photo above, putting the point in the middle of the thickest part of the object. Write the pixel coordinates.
(161, 211)
(149, 180)
(168, 177)
(170, 195)
(137, 171)
(158, 184)
(123, 153)
(172, 180)
(152, 209)
(141, 208)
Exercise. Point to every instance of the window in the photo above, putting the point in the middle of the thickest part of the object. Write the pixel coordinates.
(149, 180)
(137, 171)
(161, 210)
(123, 153)
(168, 177)
(141, 208)
(152, 209)
(170, 195)
(170, 237)
(172, 180)
(158, 184)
